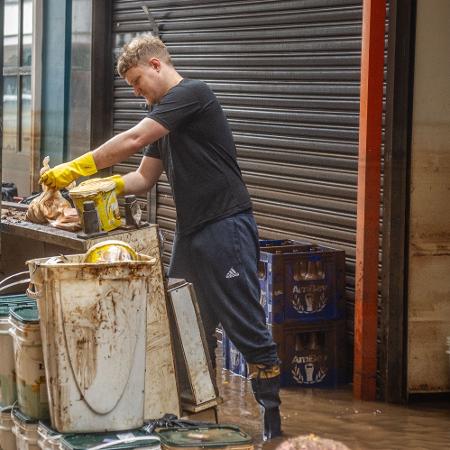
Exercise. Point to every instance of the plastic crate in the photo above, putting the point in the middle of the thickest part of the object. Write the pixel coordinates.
(234, 361)
(312, 355)
(302, 282)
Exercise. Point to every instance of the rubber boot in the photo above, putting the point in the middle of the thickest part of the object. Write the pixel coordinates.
(266, 388)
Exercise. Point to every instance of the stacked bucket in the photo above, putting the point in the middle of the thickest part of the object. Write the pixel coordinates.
(85, 331)
(302, 293)
(23, 394)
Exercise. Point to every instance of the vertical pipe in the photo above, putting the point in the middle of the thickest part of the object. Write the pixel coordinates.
(368, 206)
(36, 94)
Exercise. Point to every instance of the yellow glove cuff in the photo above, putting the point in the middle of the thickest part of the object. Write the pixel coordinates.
(84, 165)
(120, 183)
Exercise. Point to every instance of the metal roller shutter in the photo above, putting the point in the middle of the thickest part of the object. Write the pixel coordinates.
(287, 75)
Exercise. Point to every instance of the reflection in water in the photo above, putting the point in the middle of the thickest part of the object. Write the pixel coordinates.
(333, 414)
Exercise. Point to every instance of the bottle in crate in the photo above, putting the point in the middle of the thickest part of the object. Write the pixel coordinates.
(302, 283)
(312, 355)
(233, 359)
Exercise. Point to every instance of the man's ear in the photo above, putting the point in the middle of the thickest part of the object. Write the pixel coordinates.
(155, 63)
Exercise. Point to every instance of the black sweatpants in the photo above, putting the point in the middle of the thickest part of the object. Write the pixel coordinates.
(221, 261)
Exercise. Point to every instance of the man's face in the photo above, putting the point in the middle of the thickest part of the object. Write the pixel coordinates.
(146, 81)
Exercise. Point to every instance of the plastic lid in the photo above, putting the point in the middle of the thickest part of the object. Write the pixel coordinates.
(47, 428)
(17, 298)
(23, 417)
(85, 441)
(211, 436)
(26, 314)
(92, 187)
(5, 307)
(5, 410)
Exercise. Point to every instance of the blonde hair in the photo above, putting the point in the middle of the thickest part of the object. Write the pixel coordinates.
(138, 50)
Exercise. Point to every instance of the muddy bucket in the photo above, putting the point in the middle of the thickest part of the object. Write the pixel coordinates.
(8, 391)
(25, 430)
(124, 440)
(218, 437)
(93, 318)
(48, 439)
(7, 438)
(29, 361)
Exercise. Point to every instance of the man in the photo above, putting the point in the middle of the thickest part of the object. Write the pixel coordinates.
(216, 243)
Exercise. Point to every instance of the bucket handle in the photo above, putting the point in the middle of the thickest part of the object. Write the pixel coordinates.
(32, 292)
(14, 281)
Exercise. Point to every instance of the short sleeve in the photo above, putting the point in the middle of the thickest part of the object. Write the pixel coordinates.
(176, 107)
(152, 150)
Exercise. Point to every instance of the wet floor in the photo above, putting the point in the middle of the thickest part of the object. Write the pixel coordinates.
(333, 414)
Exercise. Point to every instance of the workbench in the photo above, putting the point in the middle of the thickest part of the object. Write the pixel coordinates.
(23, 240)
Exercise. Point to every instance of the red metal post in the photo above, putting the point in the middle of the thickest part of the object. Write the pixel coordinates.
(367, 231)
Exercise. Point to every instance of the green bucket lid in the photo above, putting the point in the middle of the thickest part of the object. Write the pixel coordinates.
(86, 441)
(23, 417)
(204, 437)
(16, 298)
(5, 306)
(25, 313)
(47, 428)
(5, 409)
(4, 309)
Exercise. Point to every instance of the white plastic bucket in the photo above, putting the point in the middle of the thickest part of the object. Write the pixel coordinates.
(8, 392)
(25, 431)
(29, 362)
(93, 318)
(7, 438)
(48, 439)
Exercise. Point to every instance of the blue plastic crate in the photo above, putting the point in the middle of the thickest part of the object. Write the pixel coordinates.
(234, 361)
(312, 355)
(302, 282)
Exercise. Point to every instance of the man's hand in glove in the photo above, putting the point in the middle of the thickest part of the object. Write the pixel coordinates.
(119, 181)
(63, 174)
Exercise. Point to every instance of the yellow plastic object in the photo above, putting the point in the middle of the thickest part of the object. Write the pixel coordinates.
(103, 193)
(110, 251)
(63, 174)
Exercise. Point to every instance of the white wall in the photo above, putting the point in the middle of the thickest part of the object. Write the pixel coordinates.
(429, 238)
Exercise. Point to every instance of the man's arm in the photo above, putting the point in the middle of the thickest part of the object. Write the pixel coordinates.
(127, 143)
(113, 151)
(143, 179)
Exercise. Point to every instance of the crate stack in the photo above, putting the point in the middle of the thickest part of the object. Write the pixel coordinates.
(302, 293)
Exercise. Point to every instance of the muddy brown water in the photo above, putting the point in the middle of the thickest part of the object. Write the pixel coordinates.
(334, 414)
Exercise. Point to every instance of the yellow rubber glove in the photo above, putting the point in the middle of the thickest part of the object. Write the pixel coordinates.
(120, 183)
(63, 174)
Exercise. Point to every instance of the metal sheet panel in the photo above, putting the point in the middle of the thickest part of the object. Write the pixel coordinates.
(287, 75)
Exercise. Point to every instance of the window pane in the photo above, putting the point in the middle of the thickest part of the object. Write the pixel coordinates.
(27, 30)
(10, 114)
(11, 30)
(26, 114)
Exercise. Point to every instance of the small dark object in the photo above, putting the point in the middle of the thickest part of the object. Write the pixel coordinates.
(90, 222)
(171, 421)
(133, 213)
(130, 210)
(9, 191)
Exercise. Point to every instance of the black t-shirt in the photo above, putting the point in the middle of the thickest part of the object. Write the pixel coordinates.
(198, 155)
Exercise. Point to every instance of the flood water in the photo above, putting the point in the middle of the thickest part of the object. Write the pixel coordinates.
(333, 414)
